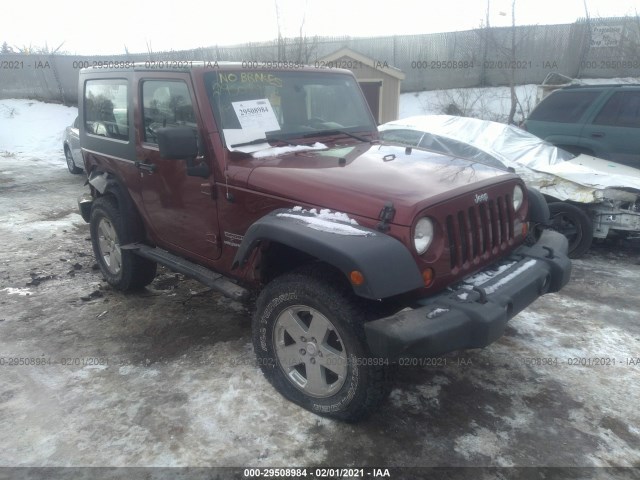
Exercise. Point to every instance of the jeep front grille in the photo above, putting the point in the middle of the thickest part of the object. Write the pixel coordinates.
(480, 230)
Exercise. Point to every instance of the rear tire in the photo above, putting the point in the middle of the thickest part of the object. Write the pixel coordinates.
(123, 269)
(308, 335)
(71, 165)
(574, 224)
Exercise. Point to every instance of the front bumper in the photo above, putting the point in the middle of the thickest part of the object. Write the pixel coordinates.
(474, 315)
(84, 205)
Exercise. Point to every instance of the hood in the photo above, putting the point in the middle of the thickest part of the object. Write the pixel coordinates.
(603, 173)
(360, 179)
(586, 179)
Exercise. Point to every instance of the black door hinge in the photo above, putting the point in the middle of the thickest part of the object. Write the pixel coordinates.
(386, 216)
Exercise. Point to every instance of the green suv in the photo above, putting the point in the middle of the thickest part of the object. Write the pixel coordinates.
(599, 120)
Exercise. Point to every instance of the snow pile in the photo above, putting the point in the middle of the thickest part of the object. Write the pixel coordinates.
(503, 281)
(326, 221)
(485, 276)
(17, 291)
(34, 130)
(436, 312)
(488, 103)
(481, 278)
(275, 151)
(327, 214)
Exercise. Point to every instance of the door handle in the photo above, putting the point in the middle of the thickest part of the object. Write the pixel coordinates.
(597, 134)
(149, 167)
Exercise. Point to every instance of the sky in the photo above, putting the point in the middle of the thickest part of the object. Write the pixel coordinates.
(103, 28)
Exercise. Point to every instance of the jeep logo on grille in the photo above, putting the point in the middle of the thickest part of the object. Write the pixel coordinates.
(481, 197)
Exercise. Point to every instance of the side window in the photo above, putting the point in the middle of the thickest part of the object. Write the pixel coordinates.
(630, 112)
(165, 103)
(106, 111)
(436, 143)
(564, 106)
(622, 110)
(609, 113)
(404, 137)
(76, 123)
(464, 150)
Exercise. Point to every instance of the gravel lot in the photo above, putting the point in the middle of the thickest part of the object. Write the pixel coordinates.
(166, 377)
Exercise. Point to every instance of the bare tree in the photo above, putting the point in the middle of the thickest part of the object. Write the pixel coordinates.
(6, 48)
(31, 50)
(282, 47)
(302, 47)
(504, 49)
(512, 61)
(149, 49)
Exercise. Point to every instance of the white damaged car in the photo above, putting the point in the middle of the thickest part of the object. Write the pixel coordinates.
(588, 197)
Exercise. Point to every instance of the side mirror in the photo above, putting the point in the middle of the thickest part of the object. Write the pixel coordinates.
(177, 143)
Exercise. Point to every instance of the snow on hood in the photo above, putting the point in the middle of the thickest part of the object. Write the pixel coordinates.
(275, 151)
(530, 156)
(326, 221)
(254, 142)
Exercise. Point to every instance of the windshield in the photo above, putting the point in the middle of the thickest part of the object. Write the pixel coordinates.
(251, 105)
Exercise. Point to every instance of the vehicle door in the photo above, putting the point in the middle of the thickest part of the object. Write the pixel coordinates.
(615, 128)
(74, 143)
(181, 209)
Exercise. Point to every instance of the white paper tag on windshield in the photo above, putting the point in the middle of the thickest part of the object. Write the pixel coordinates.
(256, 114)
(238, 136)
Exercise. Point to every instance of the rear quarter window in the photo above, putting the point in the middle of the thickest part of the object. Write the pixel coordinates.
(106, 112)
(564, 106)
(621, 110)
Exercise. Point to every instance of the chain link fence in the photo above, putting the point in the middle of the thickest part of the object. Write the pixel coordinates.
(594, 48)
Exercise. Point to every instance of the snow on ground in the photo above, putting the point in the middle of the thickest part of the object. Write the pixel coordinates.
(182, 386)
(34, 130)
(488, 103)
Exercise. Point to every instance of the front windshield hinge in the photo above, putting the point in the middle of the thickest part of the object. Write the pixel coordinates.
(386, 216)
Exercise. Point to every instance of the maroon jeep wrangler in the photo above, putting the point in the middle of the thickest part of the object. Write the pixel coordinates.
(274, 182)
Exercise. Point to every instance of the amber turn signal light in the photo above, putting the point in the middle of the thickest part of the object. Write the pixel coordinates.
(356, 278)
(525, 229)
(428, 277)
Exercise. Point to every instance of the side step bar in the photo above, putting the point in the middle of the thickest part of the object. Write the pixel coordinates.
(209, 278)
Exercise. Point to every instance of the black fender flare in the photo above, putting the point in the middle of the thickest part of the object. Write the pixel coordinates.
(108, 184)
(539, 213)
(387, 265)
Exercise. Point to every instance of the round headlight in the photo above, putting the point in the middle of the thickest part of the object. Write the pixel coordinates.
(518, 196)
(423, 235)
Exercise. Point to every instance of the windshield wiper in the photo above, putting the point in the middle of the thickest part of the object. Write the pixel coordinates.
(335, 132)
(263, 140)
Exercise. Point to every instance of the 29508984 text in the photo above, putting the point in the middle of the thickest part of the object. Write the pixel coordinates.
(25, 361)
(324, 472)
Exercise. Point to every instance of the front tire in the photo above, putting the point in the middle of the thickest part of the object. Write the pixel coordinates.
(123, 269)
(309, 340)
(574, 224)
